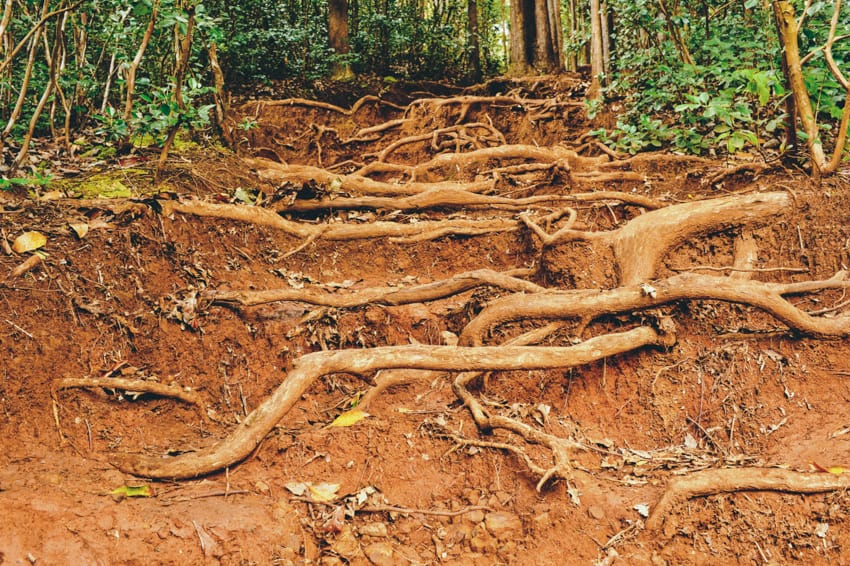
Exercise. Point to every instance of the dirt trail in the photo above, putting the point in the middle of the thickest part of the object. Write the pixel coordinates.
(653, 317)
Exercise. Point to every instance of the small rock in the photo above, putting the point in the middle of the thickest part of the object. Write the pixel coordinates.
(373, 530)
(380, 553)
(596, 512)
(474, 517)
(346, 544)
(542, 520)
(482, 541)
(457, 533)
(503, 525)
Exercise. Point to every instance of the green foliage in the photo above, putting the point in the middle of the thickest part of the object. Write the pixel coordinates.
(36, 180)
(731, 98)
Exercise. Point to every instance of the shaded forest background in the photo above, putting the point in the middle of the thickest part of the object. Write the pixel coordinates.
(701, 77)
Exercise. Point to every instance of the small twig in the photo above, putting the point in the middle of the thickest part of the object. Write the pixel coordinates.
(18, 328)
(411, 511)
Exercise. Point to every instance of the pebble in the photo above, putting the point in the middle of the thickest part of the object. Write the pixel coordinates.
(503, 525)
(373, 530)
(346, 544)
(596, 512)
(380, 554)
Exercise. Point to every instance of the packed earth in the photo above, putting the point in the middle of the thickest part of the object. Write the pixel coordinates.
(424, 325)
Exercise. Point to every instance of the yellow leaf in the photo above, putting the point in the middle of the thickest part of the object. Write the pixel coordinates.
(324, 491)
(348, 418)
(29, 241)
(80, 229)
(837, 470)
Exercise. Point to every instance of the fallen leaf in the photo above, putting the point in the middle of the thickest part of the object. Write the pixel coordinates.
(51, 195)
(29, 241)
(80, 229)
(837, 470)
(132, 491)
(642, 509)
(324, 492)
(297, 488)
(348, 418)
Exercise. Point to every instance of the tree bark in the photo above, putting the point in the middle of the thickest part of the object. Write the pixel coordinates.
(536, 43)
(596, 62)
(473, 44)
(338, 37)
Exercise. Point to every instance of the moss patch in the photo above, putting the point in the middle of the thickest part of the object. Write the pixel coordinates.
(123, 183)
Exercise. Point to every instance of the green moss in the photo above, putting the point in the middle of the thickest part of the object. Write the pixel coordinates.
(121, 183)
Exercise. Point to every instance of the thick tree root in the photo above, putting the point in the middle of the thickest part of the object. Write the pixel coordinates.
(710, 482)
(248, 434)
(589, 304)
(639, 245)
(379, 295)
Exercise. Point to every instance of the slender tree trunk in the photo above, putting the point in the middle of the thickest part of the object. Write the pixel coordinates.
(473, 43)
(594, 91)
(606, 37)
(787, 22)
(137, 60)
(572, 57)
(183, 53)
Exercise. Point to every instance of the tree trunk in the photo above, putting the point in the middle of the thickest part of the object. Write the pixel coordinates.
(338, 37)
(473, 44)
(594, 91)
(787, 24)
(536, 42)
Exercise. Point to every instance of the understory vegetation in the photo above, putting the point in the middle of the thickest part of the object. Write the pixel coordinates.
(704, 78)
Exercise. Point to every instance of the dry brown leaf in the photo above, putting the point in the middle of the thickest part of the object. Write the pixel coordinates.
(80, 229)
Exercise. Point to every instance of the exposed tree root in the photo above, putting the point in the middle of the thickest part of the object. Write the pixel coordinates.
(457, 162)
(131, 387)
(728, 480)
(353, 183)
(589, 304)
(401, 233)
(452, 198)
(260, 105)
(536, 106)
(248, 434)
(378, 295)
(456, 137)
(639, 245)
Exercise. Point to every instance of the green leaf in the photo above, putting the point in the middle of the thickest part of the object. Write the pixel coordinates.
(132, 491)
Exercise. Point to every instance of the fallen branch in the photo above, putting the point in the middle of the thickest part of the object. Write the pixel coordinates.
(729, 480)
(307, 369)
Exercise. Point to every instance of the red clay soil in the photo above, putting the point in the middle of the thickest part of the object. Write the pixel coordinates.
(417, 482)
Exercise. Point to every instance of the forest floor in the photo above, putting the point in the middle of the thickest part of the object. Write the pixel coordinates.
(671, 317)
